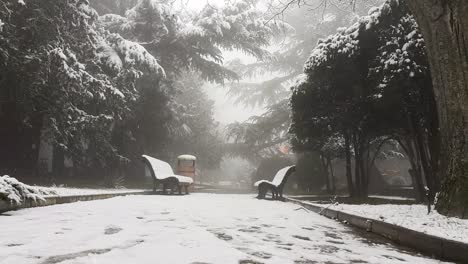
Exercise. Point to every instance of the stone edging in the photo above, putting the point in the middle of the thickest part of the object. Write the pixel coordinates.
(52, 200)
(430, 245)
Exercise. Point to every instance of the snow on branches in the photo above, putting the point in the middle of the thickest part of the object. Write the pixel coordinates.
(188, 41)
(119, 53)
(401, 53)
(346, 42)
(237, 26)
(16, 192)
(79, 77)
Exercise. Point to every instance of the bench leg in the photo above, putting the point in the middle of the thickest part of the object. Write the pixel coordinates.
(186, 189)
(180, 189)
(274, 192)
(262, 191)
(259, 196)
(164, 188)
(154, 186)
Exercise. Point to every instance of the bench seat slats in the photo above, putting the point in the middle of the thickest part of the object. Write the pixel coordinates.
(182, 179)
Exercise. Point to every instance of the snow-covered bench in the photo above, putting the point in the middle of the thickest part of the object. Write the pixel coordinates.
(276, 186)
(162, 174)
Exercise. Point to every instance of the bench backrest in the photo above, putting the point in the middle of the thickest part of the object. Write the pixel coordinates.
(158, 168)
(282, 175)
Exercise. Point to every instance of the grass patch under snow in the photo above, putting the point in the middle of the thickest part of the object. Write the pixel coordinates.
(413, 217)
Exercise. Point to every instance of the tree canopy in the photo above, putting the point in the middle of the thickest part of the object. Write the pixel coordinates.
(105, 89)
(367, 84)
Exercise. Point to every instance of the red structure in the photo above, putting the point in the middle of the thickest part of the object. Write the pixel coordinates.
(186, 166)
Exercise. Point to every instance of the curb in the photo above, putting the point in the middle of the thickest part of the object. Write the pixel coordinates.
(428, 244)
(53, 200)
(343, 199)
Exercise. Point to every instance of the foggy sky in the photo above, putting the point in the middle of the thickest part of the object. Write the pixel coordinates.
(225, 110)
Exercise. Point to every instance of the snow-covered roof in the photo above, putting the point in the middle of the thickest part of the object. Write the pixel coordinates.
(186, 157)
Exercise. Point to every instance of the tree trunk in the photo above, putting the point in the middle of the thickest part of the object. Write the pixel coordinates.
(415, 170)
(325, 171)
(357, 167)
(421, 159)
(349, 175)
(332, 175)
(364, 174)
(58, 163)
(444, 25)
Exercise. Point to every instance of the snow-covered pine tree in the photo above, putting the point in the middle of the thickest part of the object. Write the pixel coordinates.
(72, 81)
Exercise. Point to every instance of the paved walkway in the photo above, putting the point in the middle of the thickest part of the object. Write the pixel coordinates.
(199, 228)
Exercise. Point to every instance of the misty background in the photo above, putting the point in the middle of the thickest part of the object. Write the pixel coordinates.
(227, 102)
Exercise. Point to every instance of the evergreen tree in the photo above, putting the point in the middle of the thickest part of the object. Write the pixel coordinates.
(362, 84)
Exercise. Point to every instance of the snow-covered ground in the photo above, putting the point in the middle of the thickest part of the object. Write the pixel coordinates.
(321, 197)
(197, 228)
(414, 217)
(65, 191)
(391, 197)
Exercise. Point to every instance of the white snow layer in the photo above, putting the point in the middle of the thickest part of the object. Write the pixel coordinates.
(17, 192)
(196, 228)
(66, 191)
(14, 191)
(413, 217)
(347, 39)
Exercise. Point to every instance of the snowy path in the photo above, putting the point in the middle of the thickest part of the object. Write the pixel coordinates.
(63, 191)
(199, 228)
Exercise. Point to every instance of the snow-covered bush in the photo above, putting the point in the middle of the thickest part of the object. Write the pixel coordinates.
(14, 191)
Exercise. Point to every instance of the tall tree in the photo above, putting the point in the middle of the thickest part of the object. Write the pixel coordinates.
(72, 83)
(188, 42)
(201, 136)
(444, 25)
(277, 74)
(359, 75)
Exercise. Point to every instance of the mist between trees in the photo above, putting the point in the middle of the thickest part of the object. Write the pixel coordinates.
(348, 89)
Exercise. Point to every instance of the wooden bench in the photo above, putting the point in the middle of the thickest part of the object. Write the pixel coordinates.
(162, 174)
(276, 186)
